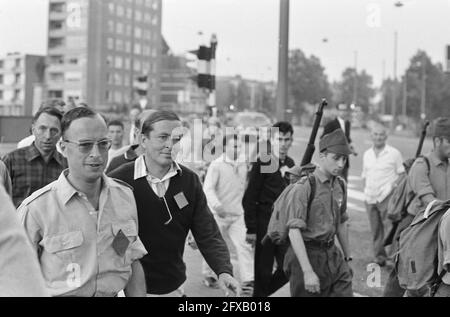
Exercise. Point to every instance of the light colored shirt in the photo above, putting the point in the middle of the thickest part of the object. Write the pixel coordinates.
(424, 181)
(76, 244)
(444, 246)
(5, 179)
(327, 210)
(380, 172)
(341, 123)
(132, 138)
(224, 185)
(159, 186)
(20, 274)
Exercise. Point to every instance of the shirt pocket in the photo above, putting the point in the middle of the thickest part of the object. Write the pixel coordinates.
(64, 245)
(129, 229)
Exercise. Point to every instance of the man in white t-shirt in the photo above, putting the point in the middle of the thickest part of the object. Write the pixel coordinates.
(382, 166)
(115, 133)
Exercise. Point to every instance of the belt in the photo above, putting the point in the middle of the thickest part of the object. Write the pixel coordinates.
(319, 244)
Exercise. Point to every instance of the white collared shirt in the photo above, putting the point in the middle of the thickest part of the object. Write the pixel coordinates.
(140, 170)
(381, 172)
(341, 123)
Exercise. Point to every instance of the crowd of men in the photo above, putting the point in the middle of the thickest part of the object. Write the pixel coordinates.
(84, 215)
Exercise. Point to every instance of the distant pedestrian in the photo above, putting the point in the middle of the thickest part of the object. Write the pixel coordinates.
(224, 188)
(382, 167)
(115, 133)
(39, 164)
(135, 111)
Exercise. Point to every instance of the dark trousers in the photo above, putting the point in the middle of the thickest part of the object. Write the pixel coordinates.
(267, 281)
(335, 275)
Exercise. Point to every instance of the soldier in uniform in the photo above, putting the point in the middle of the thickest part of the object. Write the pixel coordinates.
(314, 264)
(84, 225)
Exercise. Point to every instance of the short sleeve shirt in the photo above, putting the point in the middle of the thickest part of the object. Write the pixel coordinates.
(76, 244)
(328, 209)
(435, 181)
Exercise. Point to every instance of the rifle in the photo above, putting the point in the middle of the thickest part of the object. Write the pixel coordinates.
(310, 148)
(408, 164)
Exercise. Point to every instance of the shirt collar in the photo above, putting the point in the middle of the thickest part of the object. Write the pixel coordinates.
(140, 169)
(130, 154)
(321, 175)
(434, 159)
(66, 191)
(32, 152)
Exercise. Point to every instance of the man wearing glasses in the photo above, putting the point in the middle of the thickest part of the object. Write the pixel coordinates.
(39, 164)
(170, 202)
(84, 225)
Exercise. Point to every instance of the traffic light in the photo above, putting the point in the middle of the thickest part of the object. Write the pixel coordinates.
(206, 67)
(140, 85)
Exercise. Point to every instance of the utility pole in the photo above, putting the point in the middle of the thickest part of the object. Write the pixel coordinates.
(355, 80)
(283, 60)
(424, 87)
(394, 86)
(405, 94)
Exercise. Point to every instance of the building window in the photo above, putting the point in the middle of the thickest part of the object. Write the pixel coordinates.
(117, 96)
(110, 43)
(17, 94)
(137, 66)
(18, 62)
(55, 94)
(138, 16)
(1, 94)
(73, 61)
(119, 45)
(147, 17)
(146, 50)
(139, 2)
(73, 76)
(155, 20)
(118, 62)
(109, 60)
(137, 49)
(111, 8)
(111, 26)
(120, 11)
(127, 63)
(129, 13)
(128, 46)
(56, 25)
(55, 42)
(56, 77)
(119, 28)
(56, 59)
(57, 7)
(138, 33)
(107, 96)
(1, 79)
(18, 79)
(128, 30)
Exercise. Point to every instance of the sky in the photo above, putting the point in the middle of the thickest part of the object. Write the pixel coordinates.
(360, 31)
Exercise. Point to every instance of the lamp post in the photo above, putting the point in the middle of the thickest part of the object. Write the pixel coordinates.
(283, 60)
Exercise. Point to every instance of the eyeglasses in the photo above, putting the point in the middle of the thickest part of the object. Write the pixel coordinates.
(87, 146)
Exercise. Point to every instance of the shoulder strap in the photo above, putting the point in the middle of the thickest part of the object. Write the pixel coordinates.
(344, 190)
(312, 184)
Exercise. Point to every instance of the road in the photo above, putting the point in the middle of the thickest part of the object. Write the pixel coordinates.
(366, 280)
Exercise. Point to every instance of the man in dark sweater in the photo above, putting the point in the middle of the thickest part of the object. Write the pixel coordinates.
(171, 202)
(265, 184)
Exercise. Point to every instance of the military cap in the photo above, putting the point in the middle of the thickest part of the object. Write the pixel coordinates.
(295, 170)
(335, 142)
(441, 127)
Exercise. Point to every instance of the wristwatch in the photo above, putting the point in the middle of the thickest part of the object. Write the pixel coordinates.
(348, 259)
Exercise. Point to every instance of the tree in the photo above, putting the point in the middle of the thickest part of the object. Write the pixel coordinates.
(361, 95)
(307, 81)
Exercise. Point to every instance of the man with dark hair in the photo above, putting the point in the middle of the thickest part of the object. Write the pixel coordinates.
(266, 181)
(39, 164)
(58, 104)
(115, 133)
(132, 152)
(84, 225)
(170, 202)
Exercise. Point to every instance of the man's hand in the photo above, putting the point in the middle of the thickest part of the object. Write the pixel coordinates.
(251, 239)
(227, 283)
(312, 283)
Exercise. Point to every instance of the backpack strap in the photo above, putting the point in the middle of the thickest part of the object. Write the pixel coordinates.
(312, 184)
(427, 162)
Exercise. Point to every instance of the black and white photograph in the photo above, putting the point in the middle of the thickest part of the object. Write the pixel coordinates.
(224, 153)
